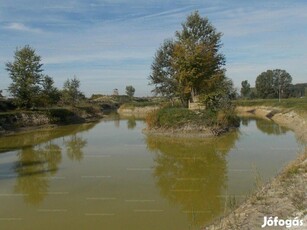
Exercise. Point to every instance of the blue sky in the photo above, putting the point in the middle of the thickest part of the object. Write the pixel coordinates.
(110, 44)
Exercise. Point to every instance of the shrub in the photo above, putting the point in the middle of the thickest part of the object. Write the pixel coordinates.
(60, 115)
(152, 119)
(172, 117)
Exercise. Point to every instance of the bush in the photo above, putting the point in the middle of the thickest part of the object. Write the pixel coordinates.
(152, 119)
(6, 105)
(61, 115)
(172, 117)
(175, 117)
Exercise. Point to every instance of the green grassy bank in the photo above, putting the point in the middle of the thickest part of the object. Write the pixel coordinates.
(296, 104)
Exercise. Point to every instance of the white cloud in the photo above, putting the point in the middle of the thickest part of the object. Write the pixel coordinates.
(21, 27)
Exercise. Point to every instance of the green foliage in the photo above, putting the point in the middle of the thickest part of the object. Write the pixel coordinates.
(50, 95)
(87, 109)
(220, 99)
(163, 73)
(152, 119)
(6, 105)
(246, 89)
(30, 88)
(297, 104)
(170, 117)
(191, 64)
(60, 115)
(298, 90)
(71, 94)
(25, 72)
(140, 104)
(130, 90)
(273, 83)
(198, 64)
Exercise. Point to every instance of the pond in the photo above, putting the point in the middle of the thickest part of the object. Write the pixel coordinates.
(109, 175)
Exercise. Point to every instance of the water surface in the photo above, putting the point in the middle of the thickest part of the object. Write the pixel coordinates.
(111, 176)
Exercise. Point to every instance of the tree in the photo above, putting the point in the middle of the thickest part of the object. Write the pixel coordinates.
(50, 95)
(189, 65)
(196, 59)
(246, 89)
(26, 74)
(273, 83)
(282, 82)
(163, 73)
(130, 91)
(71, 93)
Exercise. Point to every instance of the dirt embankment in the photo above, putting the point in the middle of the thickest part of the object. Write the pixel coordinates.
(285, 196)
(13, 122)
(189, 131)
(139, 112)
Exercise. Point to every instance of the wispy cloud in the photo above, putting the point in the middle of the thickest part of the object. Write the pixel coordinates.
(21, 27)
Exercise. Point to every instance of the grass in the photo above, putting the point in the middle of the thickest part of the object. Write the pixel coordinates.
(297, 104)
(294, 167)
(135, 104)
(176, 117)
(171, 117)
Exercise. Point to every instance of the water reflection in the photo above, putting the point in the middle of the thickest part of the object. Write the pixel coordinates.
(33, 167)
(8, 143)
(192, 173)
(131, 122)
(39, 156)
(245, 120)
(74, 147)
(270, 128)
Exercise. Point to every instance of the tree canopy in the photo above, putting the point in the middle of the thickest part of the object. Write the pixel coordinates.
(163, 72)
(130, 90)
(71, 93)
(273, 83)
(245, 89)
(30, 87)
(191, 63)
(26, 74)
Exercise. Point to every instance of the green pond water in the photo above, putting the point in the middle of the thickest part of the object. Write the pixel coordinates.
(109, 175)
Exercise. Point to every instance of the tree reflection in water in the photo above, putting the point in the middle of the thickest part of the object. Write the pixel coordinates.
(74, 147)
(131, 123)
(34, 166)
(245, 121)
(192, 173)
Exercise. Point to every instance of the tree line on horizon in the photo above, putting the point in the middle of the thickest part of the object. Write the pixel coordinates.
(271, 84)
(31, 88)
